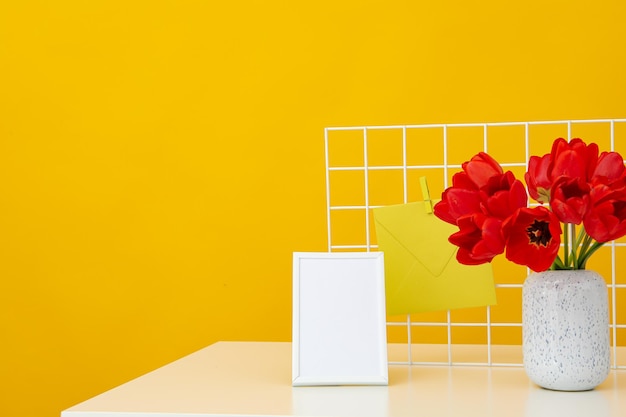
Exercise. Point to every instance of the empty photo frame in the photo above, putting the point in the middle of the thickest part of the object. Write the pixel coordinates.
(339, 321)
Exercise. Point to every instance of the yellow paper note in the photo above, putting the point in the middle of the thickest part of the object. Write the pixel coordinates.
(421, 270)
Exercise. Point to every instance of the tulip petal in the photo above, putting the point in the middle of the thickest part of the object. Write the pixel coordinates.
(610, 166)
(481, 168)
(532, 238)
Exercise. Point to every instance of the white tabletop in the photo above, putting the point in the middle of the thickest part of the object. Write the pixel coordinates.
(254, 379)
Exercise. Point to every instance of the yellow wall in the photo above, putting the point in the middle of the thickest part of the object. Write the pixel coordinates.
(160, 160)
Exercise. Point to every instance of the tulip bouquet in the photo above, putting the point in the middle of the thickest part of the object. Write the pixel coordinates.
(581, 196)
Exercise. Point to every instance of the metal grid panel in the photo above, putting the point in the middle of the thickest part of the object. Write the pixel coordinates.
(349, 219)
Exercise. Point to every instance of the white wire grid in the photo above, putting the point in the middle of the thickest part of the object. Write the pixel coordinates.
(616, 130)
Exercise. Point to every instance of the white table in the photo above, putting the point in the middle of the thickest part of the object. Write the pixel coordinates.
(254, 379)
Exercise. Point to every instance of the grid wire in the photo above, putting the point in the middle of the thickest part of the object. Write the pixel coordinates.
(364, 154)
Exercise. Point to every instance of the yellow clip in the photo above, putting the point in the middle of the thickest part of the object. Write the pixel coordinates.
(428, 203)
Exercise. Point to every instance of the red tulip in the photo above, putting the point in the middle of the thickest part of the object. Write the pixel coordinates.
(610, 167)
(479, 239)
(463, 198)
(533, 237)
(462, 180)
(570, 199)
(607, 218)
(490, 209)
(538, 178)
(573, 159)
(502, 195)
(481, 168)
(481, 187)
(459, 200)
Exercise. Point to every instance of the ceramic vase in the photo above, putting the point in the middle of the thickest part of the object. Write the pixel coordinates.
(565, 329)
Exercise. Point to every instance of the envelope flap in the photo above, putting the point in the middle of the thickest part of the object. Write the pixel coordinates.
(413, 228)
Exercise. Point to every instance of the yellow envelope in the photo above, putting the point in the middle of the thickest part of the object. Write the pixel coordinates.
(421, 270)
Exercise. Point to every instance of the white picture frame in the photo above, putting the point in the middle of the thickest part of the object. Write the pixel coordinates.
(339, 319)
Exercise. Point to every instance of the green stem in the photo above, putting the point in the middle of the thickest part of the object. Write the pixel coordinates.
(583, 260)
(558, 263)
(566, 245)
(584, 248)
(577, 250)
(582, 243)
(574, 245)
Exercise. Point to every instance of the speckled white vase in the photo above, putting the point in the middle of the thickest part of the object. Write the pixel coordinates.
(565, 327)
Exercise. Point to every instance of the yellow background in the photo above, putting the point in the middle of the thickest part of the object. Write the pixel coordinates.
(161, 160)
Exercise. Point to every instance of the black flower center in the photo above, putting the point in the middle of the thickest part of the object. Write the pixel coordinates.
(539, 233)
